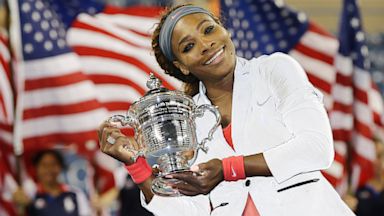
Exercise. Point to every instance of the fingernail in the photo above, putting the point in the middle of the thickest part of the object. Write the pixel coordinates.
(168, 176)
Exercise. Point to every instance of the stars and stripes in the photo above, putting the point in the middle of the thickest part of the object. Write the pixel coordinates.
(76, 63)
(362, 106)
(56, 102)
(6, 91)
(265, 26)
(114, 48)
(75, 69)
(7, 180)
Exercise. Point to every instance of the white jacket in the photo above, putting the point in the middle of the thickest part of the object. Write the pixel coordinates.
(276, 111)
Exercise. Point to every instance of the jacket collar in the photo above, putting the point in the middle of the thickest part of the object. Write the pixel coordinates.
(240, 99)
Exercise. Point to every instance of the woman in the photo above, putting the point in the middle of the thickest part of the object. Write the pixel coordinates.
(274, 136)
(52, 197)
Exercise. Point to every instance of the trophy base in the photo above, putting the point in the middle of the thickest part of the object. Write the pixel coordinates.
(161, 186)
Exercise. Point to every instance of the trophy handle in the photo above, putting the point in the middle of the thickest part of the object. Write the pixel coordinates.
(131, 121)
(123, 120)
(199, 112)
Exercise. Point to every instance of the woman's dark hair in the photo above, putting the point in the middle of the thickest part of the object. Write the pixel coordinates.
(191, 83)
(56, 154)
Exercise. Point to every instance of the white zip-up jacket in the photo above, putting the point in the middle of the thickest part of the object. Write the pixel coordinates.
(275, 111)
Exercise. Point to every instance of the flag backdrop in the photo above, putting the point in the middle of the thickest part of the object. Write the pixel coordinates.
(78, 62)
(75, 64)
(7, 180)
(6, 92)
(263, 27)
(365, 101)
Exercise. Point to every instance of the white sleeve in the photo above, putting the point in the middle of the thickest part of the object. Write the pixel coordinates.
(303, 113)
(176, 206)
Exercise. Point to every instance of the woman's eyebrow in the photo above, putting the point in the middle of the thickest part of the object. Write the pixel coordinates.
(201, 23)
(197, 27)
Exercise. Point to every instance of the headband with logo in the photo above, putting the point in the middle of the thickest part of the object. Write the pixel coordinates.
(169, 24)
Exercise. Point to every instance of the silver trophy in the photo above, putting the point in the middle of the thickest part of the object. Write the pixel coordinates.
(164, 124)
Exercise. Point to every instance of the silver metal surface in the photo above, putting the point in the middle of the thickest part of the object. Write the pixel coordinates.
(164, 124)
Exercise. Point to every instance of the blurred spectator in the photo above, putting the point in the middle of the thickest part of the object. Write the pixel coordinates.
(371, 196)
(52, 197)
(129, 198)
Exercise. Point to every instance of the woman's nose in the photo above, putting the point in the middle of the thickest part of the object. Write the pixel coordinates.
(206, 45)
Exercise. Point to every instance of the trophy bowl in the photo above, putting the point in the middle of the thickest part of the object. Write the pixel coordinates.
(164, 125)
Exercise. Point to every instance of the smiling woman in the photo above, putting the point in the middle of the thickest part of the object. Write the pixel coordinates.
(274, 137)
(184, 32)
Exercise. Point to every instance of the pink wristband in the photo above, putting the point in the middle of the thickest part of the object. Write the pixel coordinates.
(233, 168)
(140, 170)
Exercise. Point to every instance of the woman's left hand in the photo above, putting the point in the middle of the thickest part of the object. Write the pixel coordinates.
(203, 178)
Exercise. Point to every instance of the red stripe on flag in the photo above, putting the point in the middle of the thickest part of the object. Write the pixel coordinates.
(377, 119)
(6, 127)
(315, 28)
(56, 81)
(363, 129)
(2, 107)
(8, 207)
(47, 141)
(344, 80)
(366, 168)
(81, 25)
(345, 108)
(342, 134)
(112, 106)
(61, 109)
(88, 51)
(360, 95)
(110, 79)
(5, 64)
(308, 51)
(319, 83)
(134, 31)
(153, 12)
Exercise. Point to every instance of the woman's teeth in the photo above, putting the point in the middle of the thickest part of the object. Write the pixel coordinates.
(214, 57)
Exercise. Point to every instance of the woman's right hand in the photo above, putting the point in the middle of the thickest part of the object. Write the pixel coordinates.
(116, 144)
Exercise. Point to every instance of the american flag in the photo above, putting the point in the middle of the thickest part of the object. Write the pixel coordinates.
(76, 63)
(363, 96)
(6, 92)
(56, 102)
(266, 26)
(7, 180)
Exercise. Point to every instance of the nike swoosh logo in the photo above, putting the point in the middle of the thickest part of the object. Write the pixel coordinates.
(233, 172)
(262, 103)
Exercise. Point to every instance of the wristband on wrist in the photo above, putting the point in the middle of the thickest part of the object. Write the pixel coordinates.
(140, 170)
(233, 168)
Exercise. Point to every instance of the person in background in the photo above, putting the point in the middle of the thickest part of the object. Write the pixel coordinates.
(52, 197)
(371, 195)
(274, 138)
(129, 199)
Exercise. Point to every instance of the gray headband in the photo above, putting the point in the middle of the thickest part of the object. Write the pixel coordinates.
(169, 24)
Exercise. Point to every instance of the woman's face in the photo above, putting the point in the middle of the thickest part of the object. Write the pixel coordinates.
(48, 169)
(203, 47)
